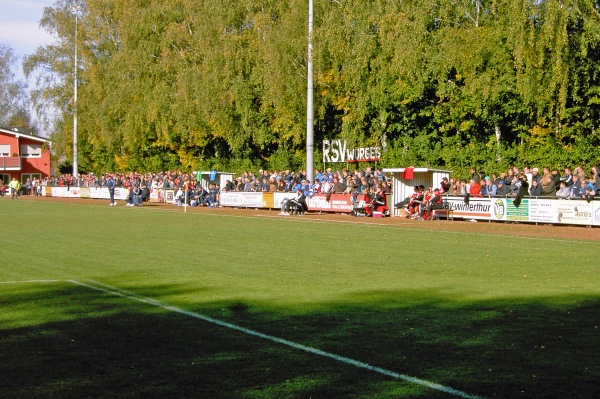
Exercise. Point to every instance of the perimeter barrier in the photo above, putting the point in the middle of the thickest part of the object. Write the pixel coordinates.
(531, 210)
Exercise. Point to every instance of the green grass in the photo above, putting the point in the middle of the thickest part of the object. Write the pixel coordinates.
(490, 315)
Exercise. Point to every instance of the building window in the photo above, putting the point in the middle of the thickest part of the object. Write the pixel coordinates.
(31, 151)
(4, 150)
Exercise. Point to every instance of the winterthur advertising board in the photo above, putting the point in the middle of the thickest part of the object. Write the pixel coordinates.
(533, 210)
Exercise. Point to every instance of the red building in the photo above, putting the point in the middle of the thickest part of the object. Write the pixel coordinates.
(23, 155)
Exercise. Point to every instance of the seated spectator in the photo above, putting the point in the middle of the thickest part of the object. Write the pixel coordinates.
(416, 199)
(380, 201)
(432, 202)
(199, 196)
(137, 195)
(296, 204)
(576, 191)
(145, 194)
(385, 187)
(368, 198)
(129, 199)
(588, 190)
(563, 192)
(212, 198)
(427, 195)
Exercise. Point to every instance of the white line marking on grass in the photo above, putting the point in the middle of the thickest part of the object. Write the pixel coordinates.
(30, 281)
(95, 285)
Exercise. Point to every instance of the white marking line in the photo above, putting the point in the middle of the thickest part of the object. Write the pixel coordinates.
(129, 295)
(30, 281)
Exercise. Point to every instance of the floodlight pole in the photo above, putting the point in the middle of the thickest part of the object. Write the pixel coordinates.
(310, 145)
(75, 10)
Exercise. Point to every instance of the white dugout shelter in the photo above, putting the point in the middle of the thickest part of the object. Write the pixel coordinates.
(403, 182)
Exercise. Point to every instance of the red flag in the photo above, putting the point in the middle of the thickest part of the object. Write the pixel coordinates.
(408, 173)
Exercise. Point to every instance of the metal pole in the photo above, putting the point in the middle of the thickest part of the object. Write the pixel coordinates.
(310, 146)
(75, 163)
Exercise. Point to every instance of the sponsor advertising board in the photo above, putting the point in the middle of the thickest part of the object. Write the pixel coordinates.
(121, 193)
(242, 199)
(532, 210)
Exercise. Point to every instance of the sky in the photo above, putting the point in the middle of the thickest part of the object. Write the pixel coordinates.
(19, 25)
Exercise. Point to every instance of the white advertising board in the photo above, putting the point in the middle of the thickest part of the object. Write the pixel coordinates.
(242, 199)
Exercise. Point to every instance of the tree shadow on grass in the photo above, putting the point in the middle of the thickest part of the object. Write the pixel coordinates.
(67, 341)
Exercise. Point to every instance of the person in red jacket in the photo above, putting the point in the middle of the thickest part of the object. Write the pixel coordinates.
(435, 202)
(416, 200)
(475, 188)
(427, 196)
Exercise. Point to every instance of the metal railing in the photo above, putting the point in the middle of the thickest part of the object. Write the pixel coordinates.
(10, 163)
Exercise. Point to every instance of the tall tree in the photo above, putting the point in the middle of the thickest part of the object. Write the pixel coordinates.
(14, 99)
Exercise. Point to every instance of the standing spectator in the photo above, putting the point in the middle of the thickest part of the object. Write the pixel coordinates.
(489, 188)
(337, 187)
(28, 186)
(579, 171)
(474, 175)
(515, 184)
(535, 175)
(475, 187)
(110, 183)
(445, 186)
(548, 187)
(556, 178)
(523, 184)
(535, 190)
(15, 186)
(567, 177)
(503, 189)
(596, 176)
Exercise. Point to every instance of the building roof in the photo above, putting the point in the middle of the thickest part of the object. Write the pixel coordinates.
(416, 170)
(20, 132)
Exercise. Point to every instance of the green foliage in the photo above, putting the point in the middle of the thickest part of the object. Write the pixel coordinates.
(184, 83)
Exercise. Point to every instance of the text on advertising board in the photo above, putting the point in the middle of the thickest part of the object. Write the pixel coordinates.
(338, 151)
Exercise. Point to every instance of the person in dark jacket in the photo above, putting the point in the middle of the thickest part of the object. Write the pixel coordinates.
(535, 190)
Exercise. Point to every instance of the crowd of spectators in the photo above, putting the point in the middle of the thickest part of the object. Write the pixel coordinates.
(327, 181)
(189, 191)
(571, 184)
(515, 182)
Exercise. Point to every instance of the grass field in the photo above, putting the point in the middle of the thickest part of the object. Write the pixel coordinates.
(107, 302)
